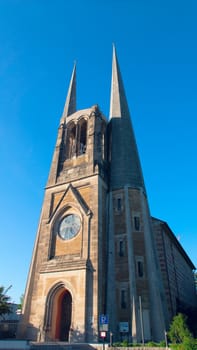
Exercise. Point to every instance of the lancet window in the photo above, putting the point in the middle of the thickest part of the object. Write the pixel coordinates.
(76, 143)
(137, 223)
(82, 137)
(140, 266)
(71, 141)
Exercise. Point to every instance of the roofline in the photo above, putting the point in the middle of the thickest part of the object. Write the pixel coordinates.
(86, 111)
(177, 243)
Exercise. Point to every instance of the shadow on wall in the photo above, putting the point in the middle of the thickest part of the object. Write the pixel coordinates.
(28, 332)
(75, 336)
(32, 333)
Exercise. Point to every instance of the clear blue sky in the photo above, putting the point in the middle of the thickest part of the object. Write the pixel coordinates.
(156, 44)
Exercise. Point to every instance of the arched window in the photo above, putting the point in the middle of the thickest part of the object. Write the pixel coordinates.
(71, 141)
(82, 137)
(76, 139)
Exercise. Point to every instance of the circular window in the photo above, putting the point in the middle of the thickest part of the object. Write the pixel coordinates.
(69, 226)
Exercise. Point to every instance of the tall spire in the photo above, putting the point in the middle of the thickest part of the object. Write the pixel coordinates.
(118, 101)
(70, 105)
(125, 168)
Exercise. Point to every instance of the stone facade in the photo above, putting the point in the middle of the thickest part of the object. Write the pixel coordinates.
(75, 265)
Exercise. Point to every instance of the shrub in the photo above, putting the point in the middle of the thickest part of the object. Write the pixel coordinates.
(190, 344)
(162, 344)
(178, 329)
(151, 344)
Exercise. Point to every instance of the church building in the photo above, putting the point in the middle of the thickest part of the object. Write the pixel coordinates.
(100, 261)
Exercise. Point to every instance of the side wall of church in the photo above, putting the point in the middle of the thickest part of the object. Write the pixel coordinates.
(176, 271)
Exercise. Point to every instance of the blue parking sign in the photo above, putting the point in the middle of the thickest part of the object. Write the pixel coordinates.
(103, 319)
(103, 323)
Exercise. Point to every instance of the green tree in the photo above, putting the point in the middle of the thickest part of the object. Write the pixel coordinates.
(5, 304)
(179, 331)
(20, 305)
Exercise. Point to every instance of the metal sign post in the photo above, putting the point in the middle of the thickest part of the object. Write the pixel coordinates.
(111, 339)
(103, 327)
(103, 336)
(141, 320)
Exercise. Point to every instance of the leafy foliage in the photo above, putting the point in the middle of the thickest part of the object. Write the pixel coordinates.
(180, 335)
(5, 306)
(151, 344)
(188, 344)
(162, 343)
(20, 305)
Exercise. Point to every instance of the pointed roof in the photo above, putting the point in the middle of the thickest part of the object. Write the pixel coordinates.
(125, 168)
(70, 105)
(118, 101)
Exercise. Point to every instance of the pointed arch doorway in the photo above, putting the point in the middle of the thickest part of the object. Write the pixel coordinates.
(64, 314)
(58, 314)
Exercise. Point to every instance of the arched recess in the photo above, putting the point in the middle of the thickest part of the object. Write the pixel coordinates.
(76, 138)
(71, 140)
(82, 136)
(69, 208)
(58, 313)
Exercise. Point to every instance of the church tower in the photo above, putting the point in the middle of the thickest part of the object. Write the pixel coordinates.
(94, 252)
(66, 285)
(134, 284)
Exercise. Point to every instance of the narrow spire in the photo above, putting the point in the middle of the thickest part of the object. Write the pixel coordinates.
(70, 105)
(118, 101)
(125, 168)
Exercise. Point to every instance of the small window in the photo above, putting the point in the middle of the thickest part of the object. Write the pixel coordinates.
(137, 223)
(119, 204)
(140, 269)
(121, 248)
(123, 299)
